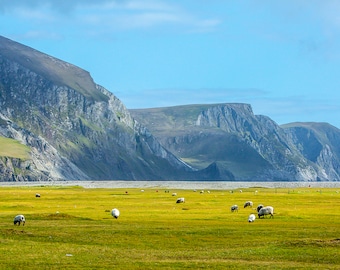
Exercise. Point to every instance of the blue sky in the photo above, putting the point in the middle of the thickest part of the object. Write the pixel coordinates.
(282, 57)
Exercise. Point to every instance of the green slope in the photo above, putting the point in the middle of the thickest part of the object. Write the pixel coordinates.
(12, 148)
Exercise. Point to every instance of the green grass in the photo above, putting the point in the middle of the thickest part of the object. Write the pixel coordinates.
(71, 228)
(13, 148)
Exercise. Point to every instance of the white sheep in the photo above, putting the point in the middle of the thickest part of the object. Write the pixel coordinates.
(259, 207)
(18, 219)
(251, 218)
(248, 204)
(174, 194)
(37, 195)
(268, 210)
(180, 200)
(234, 208)
(115, 213)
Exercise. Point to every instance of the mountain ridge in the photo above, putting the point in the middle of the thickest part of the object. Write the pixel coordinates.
(76, 129)
(73, 134)
(248, 146)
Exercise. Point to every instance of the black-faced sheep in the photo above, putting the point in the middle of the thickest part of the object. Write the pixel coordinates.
(18, 219)
(248, 204)
(234, 208)
(259, 207)
(180, 200)
(251, 218)
(37, 195)
(268, 210)
(115, 213)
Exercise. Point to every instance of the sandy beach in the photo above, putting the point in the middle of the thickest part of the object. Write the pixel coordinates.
(221, 185)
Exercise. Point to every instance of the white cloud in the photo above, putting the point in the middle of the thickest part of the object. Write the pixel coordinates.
(109, 15)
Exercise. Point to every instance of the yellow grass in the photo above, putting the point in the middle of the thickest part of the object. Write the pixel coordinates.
(71, 228)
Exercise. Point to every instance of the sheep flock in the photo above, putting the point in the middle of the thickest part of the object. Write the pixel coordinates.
(261, 210)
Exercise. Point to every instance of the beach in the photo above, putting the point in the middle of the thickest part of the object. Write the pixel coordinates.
(217, 185)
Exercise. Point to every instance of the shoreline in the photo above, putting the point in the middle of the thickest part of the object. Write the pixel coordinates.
(217, 185)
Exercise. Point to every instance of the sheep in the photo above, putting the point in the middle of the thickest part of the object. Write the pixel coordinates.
(234, 208)
(259, 207)
(174, 194)
(248, 204)
(37, 195)
(18, 219)
(251, 218)
(268, 210)
(115, 213)
(180, 200)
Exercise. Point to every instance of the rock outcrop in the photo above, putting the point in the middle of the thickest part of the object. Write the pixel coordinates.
(234, 144)
(75, 128)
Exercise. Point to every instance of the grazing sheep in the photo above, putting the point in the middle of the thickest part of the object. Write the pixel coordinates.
(18, 219)
(268, 210)
(37, 195)
(234, 208)
(180, 200)
(259, 207)
(115, 213)
(174, 194)
(251, 218)
(248, 204)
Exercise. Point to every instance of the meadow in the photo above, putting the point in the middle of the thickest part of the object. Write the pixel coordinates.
(71, 228)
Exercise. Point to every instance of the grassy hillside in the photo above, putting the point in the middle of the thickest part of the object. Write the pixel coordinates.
(71, 228)
(319, 128)
(13, 148)
(168, 119)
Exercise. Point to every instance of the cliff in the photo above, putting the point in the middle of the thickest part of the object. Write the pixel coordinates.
(75, 129)
(238, 145)
(56, 123)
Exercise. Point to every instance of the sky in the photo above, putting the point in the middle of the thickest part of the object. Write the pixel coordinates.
(282, 57)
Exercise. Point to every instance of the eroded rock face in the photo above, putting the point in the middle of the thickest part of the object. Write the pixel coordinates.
(242, 146)
(75, 128)
(78, 130)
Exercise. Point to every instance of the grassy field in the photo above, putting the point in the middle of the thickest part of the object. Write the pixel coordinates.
(13, 148)
(71, 228)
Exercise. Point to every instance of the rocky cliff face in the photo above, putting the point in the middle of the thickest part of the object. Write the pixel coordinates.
(75, 128)
(318, 143)
(239, 145)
